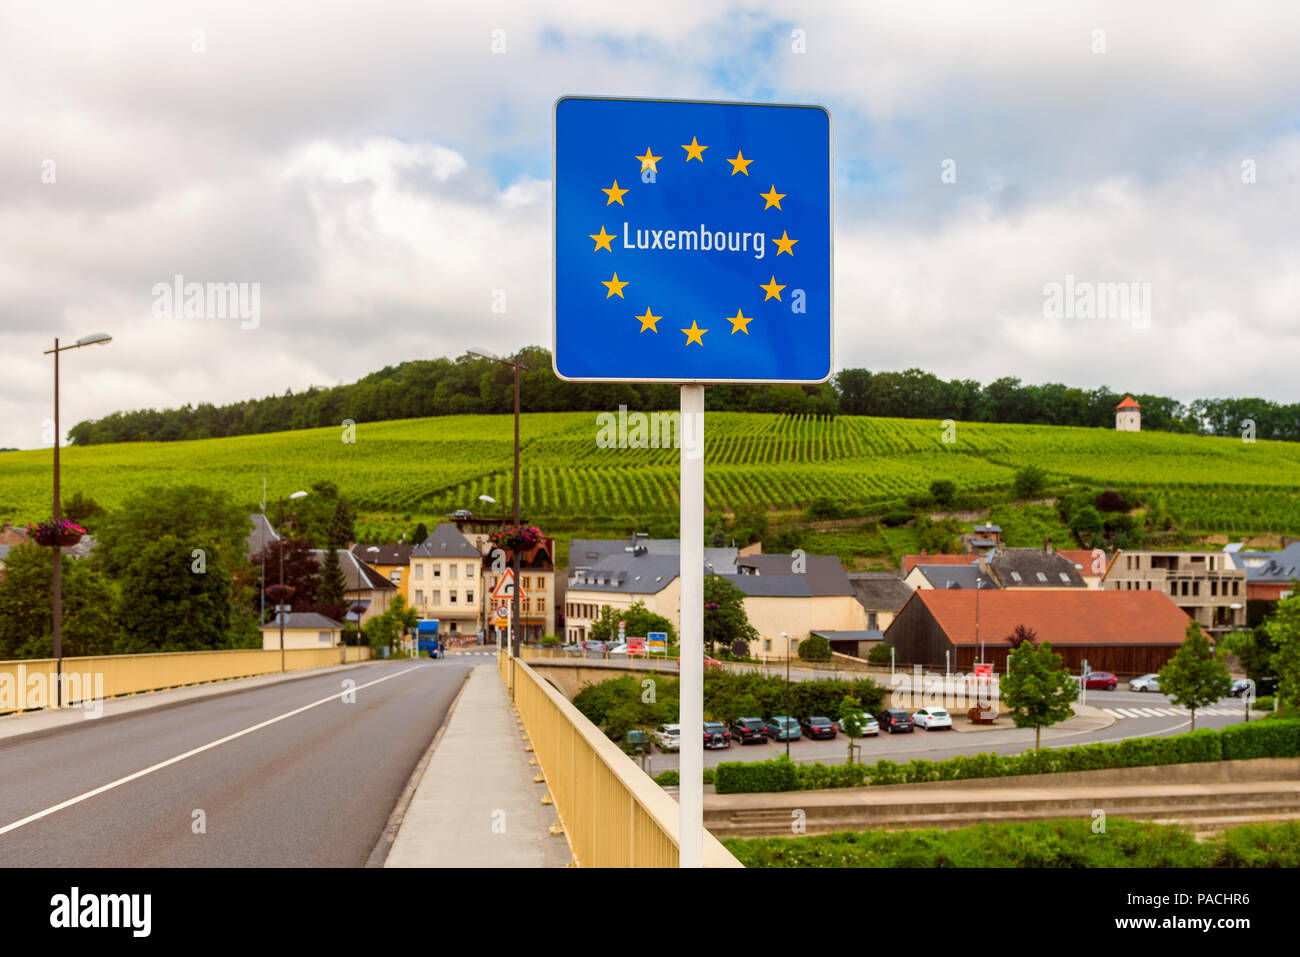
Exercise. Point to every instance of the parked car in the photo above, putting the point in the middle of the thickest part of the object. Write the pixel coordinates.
(668, 737)
(1263, 687)
(1101, 680)
(618, 648)
(636, 742)
(462, 513)
(1145, 683)
(708, 662)
(716, 735)
(932, 718)
(895, 720)
(746, 730)
(869, 725)
(818, 728)
(783, 728)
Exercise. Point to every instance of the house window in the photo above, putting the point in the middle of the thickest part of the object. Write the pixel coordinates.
(469, 571)
(541, 604)
(528, 582)
(437, 570)
(395, 576)
(523, 604)
(436, 598)
(871, 621)
(469, 598)
(452, 594)
(451, 571)
(325, 637)
(419, 596)
(419, 571)
(767, 644)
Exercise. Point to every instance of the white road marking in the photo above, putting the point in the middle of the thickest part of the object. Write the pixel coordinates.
(189, 754)
(1125, 712)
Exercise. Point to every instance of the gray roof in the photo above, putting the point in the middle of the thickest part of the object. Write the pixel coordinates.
(262, 535)
(446, 541)
(872, 634)
(773, 586)
(955, 576)
(359, 575)
(303, 619)
(1270, 567)
(823, 574)
(589, 552)
(396, 553)
(1020, 568)
(627, 574)
(883, 591)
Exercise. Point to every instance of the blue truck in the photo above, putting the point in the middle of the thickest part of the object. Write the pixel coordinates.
(426, 633)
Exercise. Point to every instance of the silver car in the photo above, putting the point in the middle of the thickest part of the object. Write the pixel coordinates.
(1145, 683)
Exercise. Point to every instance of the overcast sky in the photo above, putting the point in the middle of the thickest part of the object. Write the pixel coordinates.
(380, 171)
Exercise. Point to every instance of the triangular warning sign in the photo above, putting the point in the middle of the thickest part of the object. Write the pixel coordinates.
(505, 587)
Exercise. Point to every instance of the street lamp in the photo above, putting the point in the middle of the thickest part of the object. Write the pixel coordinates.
(787, 693)
(96, 338)
(515, 364)
(279, 611)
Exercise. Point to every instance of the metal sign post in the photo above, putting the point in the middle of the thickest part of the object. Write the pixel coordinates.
(693, 245)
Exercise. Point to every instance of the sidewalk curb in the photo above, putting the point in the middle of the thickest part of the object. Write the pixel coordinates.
(24, 736)
(388, 837)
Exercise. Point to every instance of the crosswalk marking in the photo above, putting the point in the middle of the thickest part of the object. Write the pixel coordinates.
(1168, 712)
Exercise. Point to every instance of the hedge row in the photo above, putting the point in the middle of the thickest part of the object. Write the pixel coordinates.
(1259, 739)
(667, 779)
(1022, 844)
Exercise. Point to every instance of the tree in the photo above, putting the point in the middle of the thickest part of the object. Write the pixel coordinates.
(342, 530)
(301, 570)
(1195, 677)
(640, 621)
(206, 518)
(384, 630)
(421, 533)
(815, 648)
(1020, 635)
(83, 510)
(725, 619)
(880, 654)
(854, 726)
(174, 599)
(27, 605)
(1087, 525)
(944, 492)
(332, 592)
(1283, 627)
(1036, 689)
(1029, 481)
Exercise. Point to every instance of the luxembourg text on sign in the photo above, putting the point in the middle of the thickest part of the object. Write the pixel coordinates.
(692, 241)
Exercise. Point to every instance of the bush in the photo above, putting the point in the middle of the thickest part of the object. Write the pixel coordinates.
(823, 507)
(667, 779)
(1264, 703)
(944, 492)
(895, 519)
(815, 648)
(1269, 738)
(1029, 482)
(737, 777)
(880, 654)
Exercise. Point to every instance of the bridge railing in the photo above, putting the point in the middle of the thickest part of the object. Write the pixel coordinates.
(28, 683)
(613, 814)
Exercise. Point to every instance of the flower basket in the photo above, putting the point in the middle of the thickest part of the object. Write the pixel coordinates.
(61, 533)
(518, 538)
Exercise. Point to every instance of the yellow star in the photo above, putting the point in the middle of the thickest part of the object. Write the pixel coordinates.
(772, 289)
(694, 151)
(616, 288)
(773, 197)
(693, 333)
(739, 323)
(739, 164)
(648, 321)
(648, 161)
(783, 245)
(602, 238)
(615, 194)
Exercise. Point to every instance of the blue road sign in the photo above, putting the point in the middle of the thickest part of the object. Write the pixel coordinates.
(693, 241)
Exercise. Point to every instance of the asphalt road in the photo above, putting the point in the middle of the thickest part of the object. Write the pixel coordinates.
(309, 789)
(1160, 718)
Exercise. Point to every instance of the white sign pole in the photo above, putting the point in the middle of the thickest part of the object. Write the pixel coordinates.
(690, 796)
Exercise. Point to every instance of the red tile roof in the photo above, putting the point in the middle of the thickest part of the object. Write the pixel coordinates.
(1066, 617)
(911, 561)
(1129, 403)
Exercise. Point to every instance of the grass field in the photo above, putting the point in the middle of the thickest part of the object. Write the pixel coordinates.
(419, 468)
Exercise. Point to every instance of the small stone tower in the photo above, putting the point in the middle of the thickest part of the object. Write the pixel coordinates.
(1128, 415)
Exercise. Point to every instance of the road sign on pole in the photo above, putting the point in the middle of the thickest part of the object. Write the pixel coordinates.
(705, 259)
(692, 241)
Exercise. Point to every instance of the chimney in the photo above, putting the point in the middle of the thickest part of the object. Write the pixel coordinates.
(1047, 546)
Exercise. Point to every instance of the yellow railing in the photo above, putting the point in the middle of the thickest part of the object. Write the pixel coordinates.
(23, 682)
(613, 814)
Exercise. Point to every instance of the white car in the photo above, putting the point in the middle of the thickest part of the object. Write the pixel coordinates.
(931, 718)
(668, 737)
(618, 649)
(1145, 683)
(869, 724)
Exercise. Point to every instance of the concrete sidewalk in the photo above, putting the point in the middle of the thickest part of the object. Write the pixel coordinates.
(476, 804)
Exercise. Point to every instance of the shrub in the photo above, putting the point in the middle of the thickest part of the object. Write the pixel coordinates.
(1269, 738)
(815, 648)
(1029, 482)
(895, 519)
(823, 507)
(879, 654)
(737, 777)
(943, 492)
(1264, 703)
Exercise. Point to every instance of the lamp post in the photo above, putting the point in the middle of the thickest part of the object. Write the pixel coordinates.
(358, 608)
(787, 692)
(97, 338)
(516, 365)
(280, 613)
